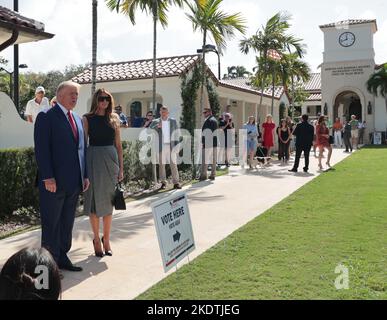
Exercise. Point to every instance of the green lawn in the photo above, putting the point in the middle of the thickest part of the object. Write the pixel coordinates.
(292, 250)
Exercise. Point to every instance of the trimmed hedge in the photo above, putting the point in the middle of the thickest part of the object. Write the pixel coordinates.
(17, 180)
(18, 173)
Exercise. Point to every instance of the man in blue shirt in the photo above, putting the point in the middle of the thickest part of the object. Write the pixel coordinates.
(122, 116)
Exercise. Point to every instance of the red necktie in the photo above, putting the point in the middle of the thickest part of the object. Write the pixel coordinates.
(73, 126)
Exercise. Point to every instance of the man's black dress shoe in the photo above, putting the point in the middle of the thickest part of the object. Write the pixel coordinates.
(292, 170)
(70, 267)
(177, 186)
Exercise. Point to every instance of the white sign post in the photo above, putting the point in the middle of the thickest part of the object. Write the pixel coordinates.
(174, 229)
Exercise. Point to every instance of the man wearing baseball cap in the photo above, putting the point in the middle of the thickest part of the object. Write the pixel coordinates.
(34, 106)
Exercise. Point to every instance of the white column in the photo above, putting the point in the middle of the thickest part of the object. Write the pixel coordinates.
(304, 108)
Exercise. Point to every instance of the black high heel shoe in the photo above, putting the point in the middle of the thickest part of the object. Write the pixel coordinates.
(98, 254)
(107, 252)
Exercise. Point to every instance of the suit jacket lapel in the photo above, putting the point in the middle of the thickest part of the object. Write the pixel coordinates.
(60, 113)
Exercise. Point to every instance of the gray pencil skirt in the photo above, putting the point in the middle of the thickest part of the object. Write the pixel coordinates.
(103, 168)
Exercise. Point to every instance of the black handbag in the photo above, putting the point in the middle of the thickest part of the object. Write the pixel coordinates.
(118, 200)
(331, 140)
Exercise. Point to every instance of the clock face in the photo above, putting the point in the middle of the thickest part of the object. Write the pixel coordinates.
(347, 39)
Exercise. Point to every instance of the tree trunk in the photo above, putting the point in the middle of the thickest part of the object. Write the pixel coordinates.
(292, 98)
(154, 55)
(272, 94)
(203, 75)
(94, 47)
(154, 173)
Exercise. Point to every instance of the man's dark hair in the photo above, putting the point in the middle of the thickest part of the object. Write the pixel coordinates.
(18, 276)
(305, 117)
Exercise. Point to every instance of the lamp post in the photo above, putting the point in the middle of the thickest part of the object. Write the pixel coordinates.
(211, 48)
(11, 86)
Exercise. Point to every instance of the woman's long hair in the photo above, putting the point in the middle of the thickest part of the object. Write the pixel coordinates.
(111, 117)
(248, 121)
(321, 120)
(18, 278)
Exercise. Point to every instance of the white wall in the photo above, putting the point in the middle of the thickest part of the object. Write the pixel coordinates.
(14, 131)
(380, 114)
(363, 48)
(167, 88)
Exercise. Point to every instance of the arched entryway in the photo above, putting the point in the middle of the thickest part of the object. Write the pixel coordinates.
(348, 103)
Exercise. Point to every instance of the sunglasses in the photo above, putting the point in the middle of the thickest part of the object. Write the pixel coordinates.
(104, 98)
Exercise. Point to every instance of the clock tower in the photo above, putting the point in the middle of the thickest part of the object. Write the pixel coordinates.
(347, 65)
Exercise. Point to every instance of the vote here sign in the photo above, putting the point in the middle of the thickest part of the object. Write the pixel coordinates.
(174, 229)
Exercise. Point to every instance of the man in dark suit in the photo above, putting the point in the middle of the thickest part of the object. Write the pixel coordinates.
(166, 128)
(60, 150)
(304, 140)
(209, 144)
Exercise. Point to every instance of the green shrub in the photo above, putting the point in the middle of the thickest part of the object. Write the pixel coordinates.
(17, 180)
(18, 173)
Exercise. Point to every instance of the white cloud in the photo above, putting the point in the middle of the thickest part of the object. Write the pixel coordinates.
(119, 40)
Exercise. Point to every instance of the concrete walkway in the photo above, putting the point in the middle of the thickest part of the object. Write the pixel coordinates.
(217, 209)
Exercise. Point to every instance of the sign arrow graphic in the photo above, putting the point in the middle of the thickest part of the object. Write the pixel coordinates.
(176, 236)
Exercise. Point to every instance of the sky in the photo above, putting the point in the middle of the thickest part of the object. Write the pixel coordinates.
(119, 40)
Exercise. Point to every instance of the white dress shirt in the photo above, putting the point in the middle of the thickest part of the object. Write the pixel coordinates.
(166, 130)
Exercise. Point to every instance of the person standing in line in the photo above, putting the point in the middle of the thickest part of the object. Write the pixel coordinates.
(354, 131)
(347, 137)
(284, 135)
(290, 125)
(209, 144)
(315, 138)
(148, 120)
(322, 141)
(304, 140)
(123, 119)
(166, 128)
(362, 127)
(104, 165)
(36, 105)
(229, 132)
(60, 151)
(268, 128)
(252, 135)
(337, 129)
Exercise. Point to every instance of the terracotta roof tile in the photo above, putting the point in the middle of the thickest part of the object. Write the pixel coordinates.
(314, 83)
(13, 17)
(140, 69)
(314, 97)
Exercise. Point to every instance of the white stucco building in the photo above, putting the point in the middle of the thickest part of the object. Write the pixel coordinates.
(131, 85)
(340, 89)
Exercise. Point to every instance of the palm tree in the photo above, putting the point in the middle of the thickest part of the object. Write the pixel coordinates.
(236, 72)
(210, 19)
(378, 83)
(272, 36)
(94, 46)
(293, 71)
(158, 8)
